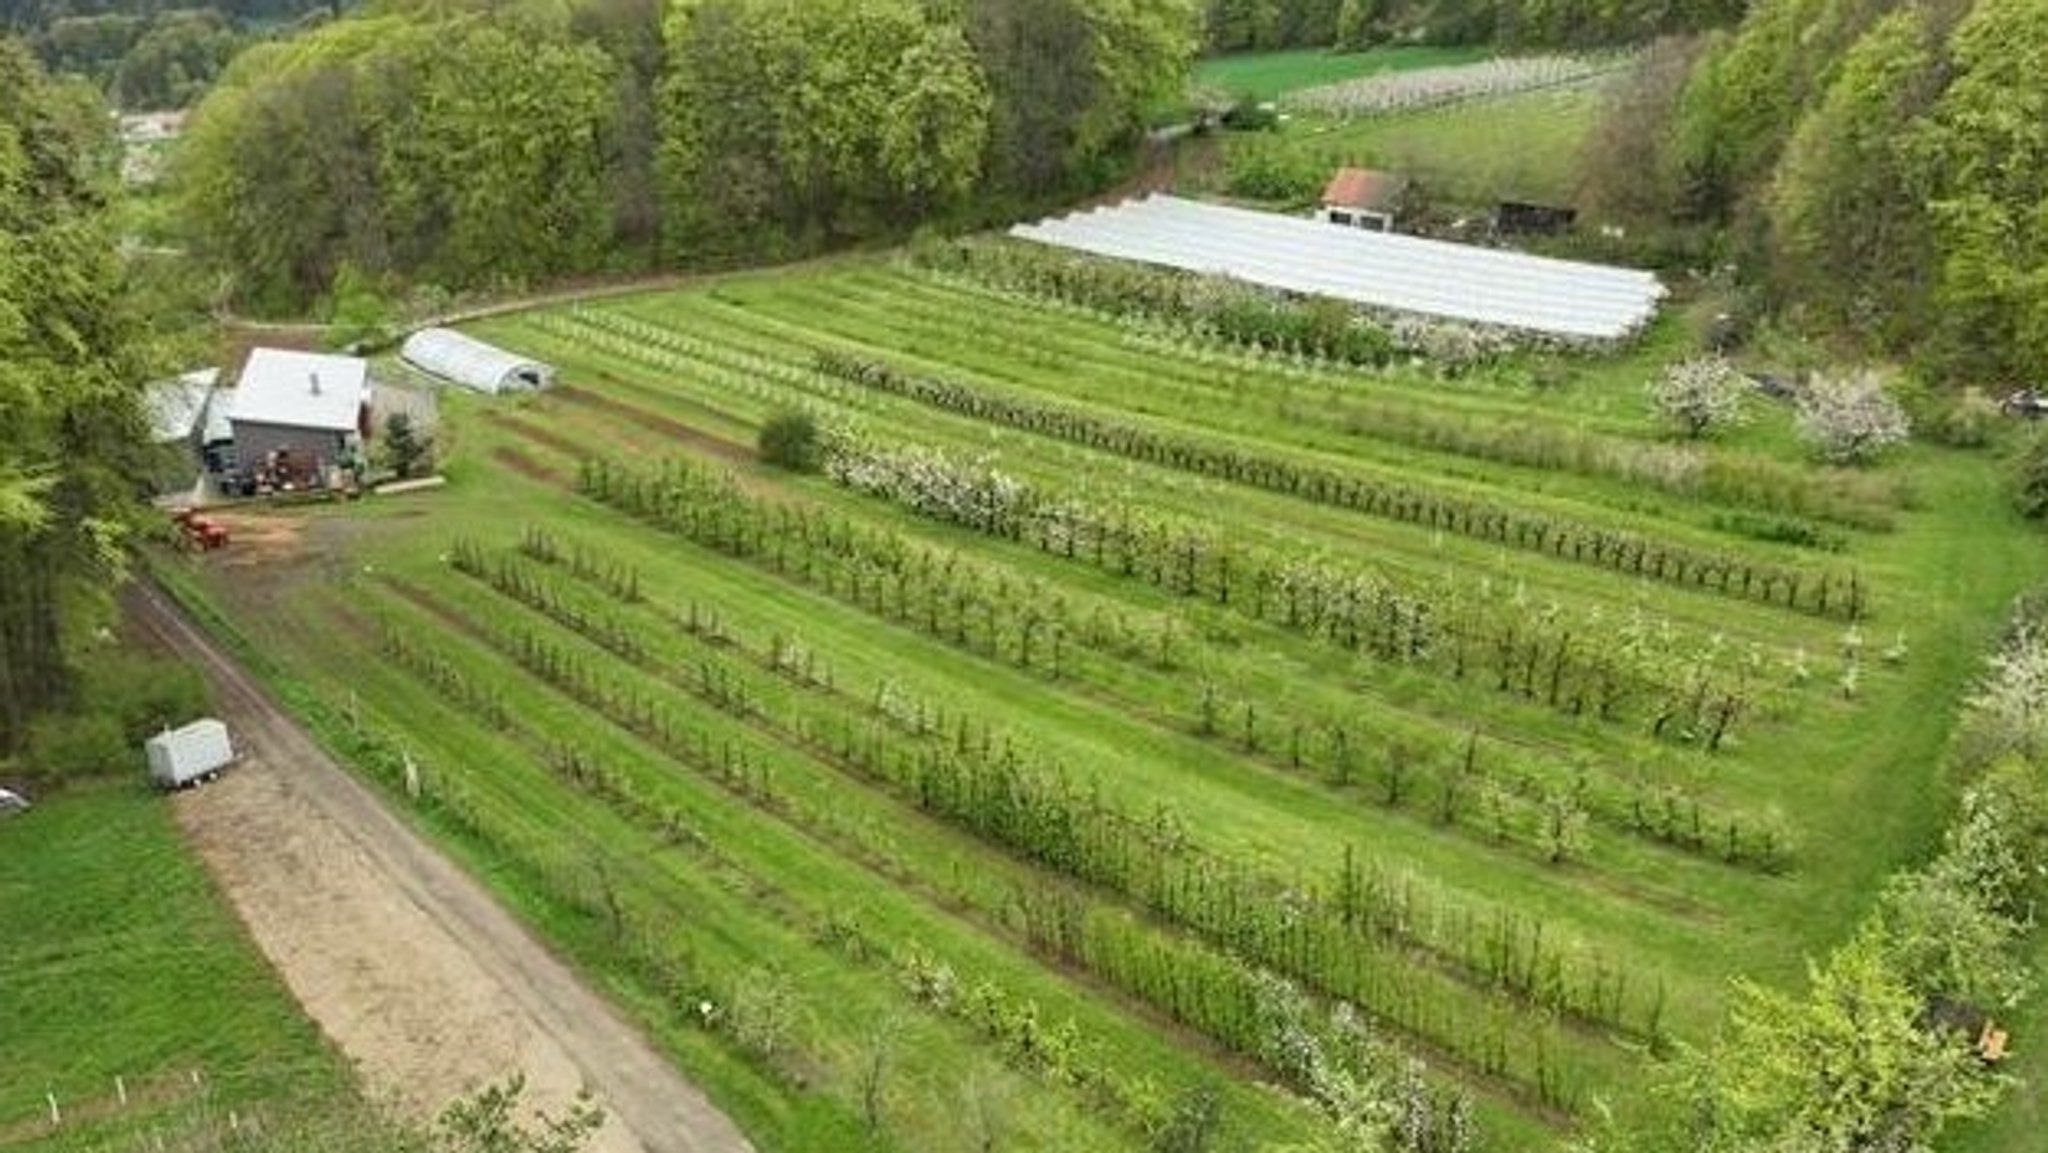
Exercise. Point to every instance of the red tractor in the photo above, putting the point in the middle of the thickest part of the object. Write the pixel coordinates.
(199, 533)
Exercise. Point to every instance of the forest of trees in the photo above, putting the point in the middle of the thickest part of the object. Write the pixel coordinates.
(71, 355)
(152, 54)
(1876, 167)
(475, 145)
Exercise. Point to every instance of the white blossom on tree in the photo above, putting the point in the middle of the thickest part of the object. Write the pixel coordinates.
(1850, 419)
(1699, 395)
(2009, 711)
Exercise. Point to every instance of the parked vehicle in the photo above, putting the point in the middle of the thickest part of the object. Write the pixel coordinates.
(2026, 402)
(182, 756)
(12, 802)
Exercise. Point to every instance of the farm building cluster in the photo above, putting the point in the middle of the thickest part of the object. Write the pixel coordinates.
(292, 421)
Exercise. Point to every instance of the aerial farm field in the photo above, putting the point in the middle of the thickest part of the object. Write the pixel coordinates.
(1125, 728)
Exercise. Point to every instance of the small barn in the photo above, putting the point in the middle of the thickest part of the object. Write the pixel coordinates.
(1364, 198)
(296, 415)
(467, 361)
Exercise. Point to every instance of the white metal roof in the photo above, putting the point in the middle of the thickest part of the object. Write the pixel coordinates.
(175, 405)
(468, 361)
(301, 390)
(1376, 269)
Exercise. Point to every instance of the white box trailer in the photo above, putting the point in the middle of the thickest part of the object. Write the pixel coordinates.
(178, 757)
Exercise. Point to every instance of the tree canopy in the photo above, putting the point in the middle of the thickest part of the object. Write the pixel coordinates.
(1883, 163)
(477, 145)
(71, 427)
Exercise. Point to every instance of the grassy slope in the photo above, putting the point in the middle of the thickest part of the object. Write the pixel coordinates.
(1269, 75)
(119, 958)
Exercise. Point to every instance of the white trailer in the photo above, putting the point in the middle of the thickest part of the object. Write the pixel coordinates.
(198, 751)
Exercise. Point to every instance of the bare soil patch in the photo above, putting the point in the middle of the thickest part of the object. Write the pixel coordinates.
(411, 967)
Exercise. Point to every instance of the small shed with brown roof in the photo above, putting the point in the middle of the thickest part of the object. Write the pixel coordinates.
(1364, 198)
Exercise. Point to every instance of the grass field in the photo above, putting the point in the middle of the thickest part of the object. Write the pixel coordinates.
(119, 960)
(1270, 75)
(903, 821)
(1524, 146)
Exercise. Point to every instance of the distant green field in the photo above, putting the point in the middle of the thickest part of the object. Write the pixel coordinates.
(1268, 75)
(1524, 146)
(118, 959)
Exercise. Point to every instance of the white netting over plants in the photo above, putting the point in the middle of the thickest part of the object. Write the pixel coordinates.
(1484, 286)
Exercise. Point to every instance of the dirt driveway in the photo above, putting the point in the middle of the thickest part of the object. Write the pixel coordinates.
(407, 964)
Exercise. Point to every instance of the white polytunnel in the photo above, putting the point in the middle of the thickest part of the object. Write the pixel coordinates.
(467, 361)
(1408, 274)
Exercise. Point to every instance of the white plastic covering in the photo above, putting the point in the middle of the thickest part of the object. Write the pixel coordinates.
(176, 406)
(470, 362)
(1379, 270)
(177, 757)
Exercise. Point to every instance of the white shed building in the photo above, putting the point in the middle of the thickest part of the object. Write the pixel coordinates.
(469, 362)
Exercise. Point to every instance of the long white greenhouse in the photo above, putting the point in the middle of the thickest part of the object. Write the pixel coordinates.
(467, 361)
(1379, 270)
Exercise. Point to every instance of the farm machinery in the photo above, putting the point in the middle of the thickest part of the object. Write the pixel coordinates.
(198, 533)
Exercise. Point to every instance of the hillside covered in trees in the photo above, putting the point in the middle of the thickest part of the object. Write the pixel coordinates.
(150, 54)
(1879, 169)
(472, 145)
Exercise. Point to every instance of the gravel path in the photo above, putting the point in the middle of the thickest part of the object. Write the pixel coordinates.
(409, 966)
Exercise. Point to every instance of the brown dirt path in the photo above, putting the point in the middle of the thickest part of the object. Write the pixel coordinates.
(408, 965)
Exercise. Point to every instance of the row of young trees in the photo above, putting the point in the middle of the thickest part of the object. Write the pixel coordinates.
(1881, 163)
(1824, 593)
(1043, 816)
(1351, 25)
(482, 145)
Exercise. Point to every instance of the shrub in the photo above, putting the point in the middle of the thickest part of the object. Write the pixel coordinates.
(1700, 395)
(1963, 421)
(1849, 419)
(143, 694)
(407, 450)
(2030, 487)
(74, 746)
(790, 441)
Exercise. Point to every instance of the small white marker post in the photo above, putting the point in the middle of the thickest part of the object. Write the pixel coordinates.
(56, 1114)
(121, 1089)
(412, 777)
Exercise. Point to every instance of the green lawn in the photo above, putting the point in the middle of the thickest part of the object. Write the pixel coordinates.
(121, 968)
(715, 740)
(1524, 146)
(1270, 75)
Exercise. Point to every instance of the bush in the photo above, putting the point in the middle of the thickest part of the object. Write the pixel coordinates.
(75, 746)
(2030, 488)
(407, 450)
(144, 694)
(790, 441)
(1961, 421)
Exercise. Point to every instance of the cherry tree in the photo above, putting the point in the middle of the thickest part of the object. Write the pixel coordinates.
(1699, 396)
(1849, 419)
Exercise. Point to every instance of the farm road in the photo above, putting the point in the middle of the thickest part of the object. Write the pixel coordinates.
(408, 965)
